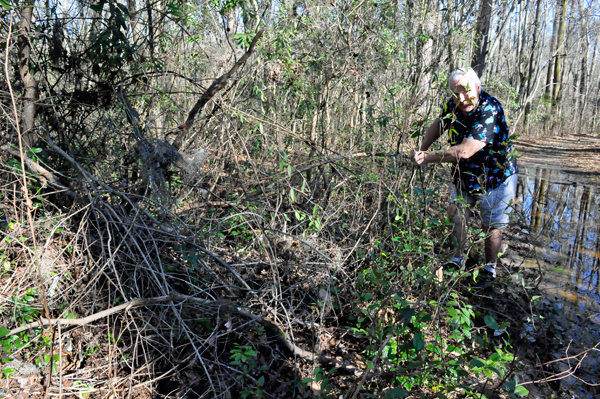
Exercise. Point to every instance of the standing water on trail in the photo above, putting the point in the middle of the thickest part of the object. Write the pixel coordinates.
(560, 221)
(563, 219)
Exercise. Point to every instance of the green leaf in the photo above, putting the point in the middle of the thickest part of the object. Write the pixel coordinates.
(6, 4)
(510, 385)
(491, 322)
(521, 391)
(477, 363)
(415, 364)
(418, 343)
(97, 7)
(261, 381)
(495, 370)
(4, 332)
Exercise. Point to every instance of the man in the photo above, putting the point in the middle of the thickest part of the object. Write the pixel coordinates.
(484, 171)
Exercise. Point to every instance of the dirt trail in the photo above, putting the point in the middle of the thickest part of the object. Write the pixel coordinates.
(576, 156)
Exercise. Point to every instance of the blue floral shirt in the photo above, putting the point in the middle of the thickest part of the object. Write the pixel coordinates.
(489, 167)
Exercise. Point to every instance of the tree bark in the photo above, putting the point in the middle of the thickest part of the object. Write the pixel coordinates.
(560, 48)
(553, 45)
(29, 82)
(534, 43)
(532, 76)
(482, 30)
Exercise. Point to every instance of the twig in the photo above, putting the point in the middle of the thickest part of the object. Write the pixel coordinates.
(217, 85)
(46, 175)
(570, 372)
(225, 265)
(86, 320)
(375, 360)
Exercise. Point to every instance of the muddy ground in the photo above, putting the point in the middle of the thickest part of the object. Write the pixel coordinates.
(576, 156)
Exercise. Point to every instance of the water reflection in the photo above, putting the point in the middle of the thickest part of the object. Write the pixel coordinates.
(563, 218)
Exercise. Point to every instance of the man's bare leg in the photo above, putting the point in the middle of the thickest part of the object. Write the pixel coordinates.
(493, 243)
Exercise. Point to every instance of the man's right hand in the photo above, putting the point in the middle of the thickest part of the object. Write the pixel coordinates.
(418, 156)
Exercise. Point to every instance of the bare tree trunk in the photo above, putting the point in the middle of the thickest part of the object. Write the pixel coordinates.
(29, 82)
(428, 29)
(579, 92)
(534, 43)
(584, 71)
(522, 65)
(482, 31)
(560, 48)
(150, 29)
(498, 39)
(553, 46)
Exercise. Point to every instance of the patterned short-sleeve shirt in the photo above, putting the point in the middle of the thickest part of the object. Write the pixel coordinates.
(489, 167)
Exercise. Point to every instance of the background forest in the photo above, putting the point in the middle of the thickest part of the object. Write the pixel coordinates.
(213, 199)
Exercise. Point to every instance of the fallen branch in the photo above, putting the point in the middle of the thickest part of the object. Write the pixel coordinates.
(47, 176)
(86, 320)
(227, 306)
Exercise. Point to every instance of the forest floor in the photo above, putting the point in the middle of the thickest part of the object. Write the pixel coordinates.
(555, 349)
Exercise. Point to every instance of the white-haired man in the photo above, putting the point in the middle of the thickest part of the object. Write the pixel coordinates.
(484, 171)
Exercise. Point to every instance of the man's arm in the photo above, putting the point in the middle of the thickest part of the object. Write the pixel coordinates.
(433, 133)
(465, 150)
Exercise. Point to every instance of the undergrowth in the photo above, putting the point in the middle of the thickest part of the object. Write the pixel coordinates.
(349, 278)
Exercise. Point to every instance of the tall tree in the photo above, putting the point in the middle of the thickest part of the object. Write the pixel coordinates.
(553, 52)
(30, 85)
(560, 49)
(482, 30)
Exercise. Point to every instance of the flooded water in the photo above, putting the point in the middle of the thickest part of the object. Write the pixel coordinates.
(562, 220)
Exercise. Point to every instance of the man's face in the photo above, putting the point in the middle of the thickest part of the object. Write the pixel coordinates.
(466, 94)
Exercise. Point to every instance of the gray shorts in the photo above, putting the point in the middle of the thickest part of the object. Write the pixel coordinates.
(494, 206)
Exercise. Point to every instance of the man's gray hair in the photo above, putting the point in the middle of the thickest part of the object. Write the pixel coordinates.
(460, 72)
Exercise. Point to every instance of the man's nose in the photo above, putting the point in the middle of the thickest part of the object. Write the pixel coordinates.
(463, 96)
